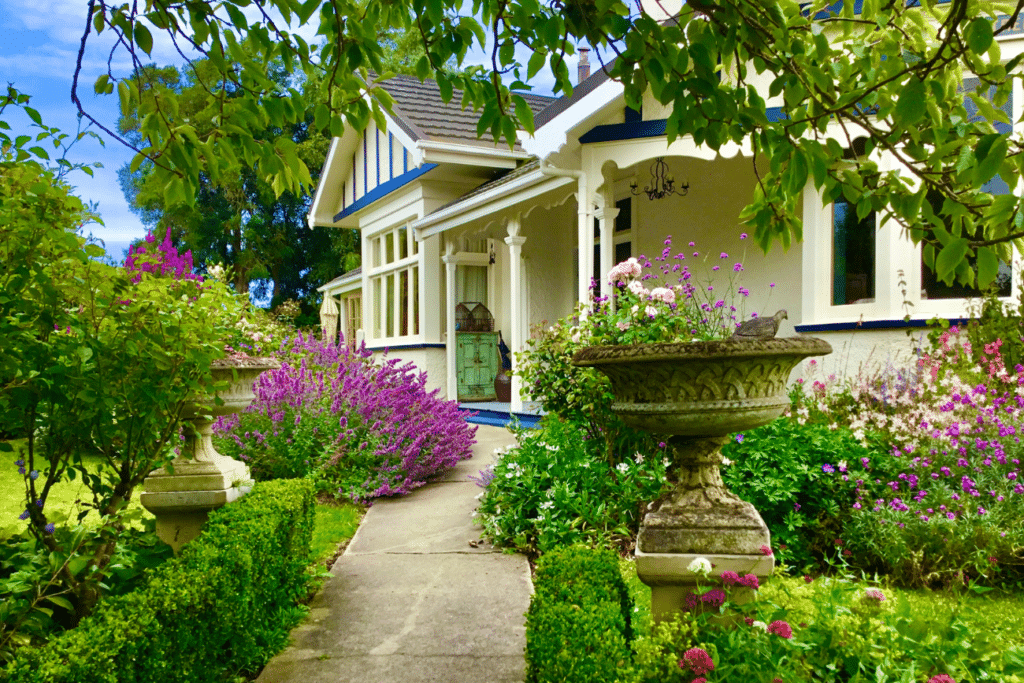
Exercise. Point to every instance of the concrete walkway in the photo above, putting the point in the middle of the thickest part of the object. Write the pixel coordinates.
(411, 600)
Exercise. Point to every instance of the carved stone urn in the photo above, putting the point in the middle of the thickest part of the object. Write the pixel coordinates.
(698, 394)
(182, 494)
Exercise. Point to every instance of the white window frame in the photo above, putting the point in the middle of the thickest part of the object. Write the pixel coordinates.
(378, 270)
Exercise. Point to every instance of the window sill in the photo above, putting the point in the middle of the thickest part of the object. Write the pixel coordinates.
(891, 324)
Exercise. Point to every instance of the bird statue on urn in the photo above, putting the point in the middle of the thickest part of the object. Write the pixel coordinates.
(760, 328)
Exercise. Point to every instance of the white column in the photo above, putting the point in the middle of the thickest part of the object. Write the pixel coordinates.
(515, 249)
(606, 220)
(585, 240)
(449, 326)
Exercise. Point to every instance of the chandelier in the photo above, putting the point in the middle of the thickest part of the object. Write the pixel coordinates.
(662, 184)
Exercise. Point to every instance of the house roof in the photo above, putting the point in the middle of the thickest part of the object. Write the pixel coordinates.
(423, 115)
(353, 275)
(512, 175)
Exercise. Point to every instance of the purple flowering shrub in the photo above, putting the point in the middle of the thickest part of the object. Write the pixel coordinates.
(363, 429)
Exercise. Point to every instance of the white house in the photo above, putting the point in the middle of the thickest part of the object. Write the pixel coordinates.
(448, 219)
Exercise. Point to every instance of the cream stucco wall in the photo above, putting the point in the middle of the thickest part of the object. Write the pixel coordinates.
(429, 360)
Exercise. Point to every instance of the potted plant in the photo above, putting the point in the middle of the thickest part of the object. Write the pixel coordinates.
(683, 364)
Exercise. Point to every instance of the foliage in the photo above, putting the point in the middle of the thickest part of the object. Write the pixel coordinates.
(580, 396)
(555, 488)
(782, 469)
(890, 74)
(362, 429)
(647, 309)
(829, 629)
(578, 625)
(990, 321)
(222, 607)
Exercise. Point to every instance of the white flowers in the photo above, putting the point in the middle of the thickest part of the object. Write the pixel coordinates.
(639, 459)
(637, 288)
(622, 467)
(700, 565)
(622, 272)
(547, 505)
(761, 625)
(663, 294)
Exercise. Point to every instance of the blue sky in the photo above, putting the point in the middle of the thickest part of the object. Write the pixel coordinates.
(38, 47)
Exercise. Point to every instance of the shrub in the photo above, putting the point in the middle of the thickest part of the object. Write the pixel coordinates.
(578, 625)
(223, 606)
(580, 396)
(97, 360)
(793, 475)
(362, 429)
(556, 488)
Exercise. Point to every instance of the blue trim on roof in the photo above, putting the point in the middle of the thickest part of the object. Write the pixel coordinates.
(634, 130)
(383, 190)
(858, 6)
(899, 324)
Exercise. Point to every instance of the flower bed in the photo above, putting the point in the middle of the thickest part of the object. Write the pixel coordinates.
(363, 430)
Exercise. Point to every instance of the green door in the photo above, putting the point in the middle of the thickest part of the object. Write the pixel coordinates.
(476, 365)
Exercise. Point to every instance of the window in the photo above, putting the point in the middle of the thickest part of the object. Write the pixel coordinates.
(853, 255)
(394, 284)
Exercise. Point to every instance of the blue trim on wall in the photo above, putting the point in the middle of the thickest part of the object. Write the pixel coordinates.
(391, 156)
(354, 182)
(655, 128)
(873, 325)
(397, 347)
(376, 143)
(405, 160)
(384, 189)
(366, 186)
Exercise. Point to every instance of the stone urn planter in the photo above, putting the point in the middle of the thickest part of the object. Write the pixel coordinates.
(182, 494)
(698, 394)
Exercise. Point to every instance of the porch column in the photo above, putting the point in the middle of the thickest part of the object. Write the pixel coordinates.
(584, 240)
(515, 243)
(449, 326)
(606, 220)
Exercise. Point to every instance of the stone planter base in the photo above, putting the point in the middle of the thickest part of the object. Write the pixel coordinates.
(671, 581)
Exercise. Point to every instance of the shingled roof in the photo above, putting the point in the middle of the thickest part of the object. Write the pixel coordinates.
(423, 115)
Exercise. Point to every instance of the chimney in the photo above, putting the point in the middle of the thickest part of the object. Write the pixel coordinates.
(584, 65)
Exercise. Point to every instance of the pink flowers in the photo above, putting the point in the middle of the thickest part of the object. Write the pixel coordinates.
(941, 678)
(697, 660)
(730, 578)
(663, 294)
(766, 551)
(874, 595)
(625, 271)
(750, 581)
(781, 629)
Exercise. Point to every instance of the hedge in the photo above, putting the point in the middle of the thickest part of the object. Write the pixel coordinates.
(221, 607)
(578, 627)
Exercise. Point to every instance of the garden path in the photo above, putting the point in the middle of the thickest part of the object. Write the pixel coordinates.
(412, 600)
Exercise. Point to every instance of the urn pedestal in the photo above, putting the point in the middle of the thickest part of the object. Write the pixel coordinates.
(698, 394)
(182, 494)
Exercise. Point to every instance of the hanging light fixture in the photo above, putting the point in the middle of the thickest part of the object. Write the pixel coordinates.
(662, 183)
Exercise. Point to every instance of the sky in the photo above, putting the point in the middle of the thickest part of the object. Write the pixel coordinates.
(39, 41)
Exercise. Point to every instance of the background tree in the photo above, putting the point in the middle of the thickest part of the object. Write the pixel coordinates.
(240, 222)
(890, 72)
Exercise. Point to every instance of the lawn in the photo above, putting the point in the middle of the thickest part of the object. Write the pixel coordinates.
(65, 499)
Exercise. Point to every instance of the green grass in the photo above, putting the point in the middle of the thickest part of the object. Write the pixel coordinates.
(334, 524)
(1000, 613)
(64, 500)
